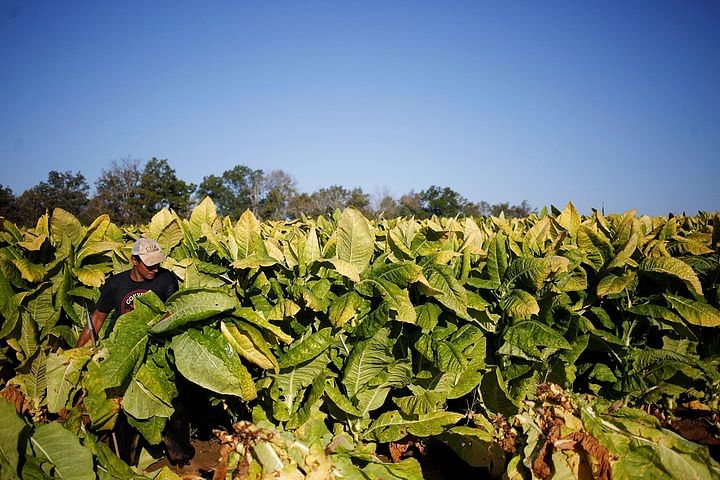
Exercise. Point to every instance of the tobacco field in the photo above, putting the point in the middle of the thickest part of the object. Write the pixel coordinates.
(552, 346)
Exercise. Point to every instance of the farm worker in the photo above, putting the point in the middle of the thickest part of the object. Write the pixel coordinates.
(119, 291)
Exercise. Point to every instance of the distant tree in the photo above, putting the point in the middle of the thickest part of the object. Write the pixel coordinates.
(300, 204)
(327, 200)
(65, 190)
(8, 208)
(161, 188)
(278, 189)
(117, 193)
(514, 211)
(386, 206)
(410, 205)
(443, 202)
(360, 201)
(237, 190)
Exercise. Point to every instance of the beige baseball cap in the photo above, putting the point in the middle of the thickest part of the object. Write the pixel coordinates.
(149, 251)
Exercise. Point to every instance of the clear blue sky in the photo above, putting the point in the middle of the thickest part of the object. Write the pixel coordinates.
(598, 103)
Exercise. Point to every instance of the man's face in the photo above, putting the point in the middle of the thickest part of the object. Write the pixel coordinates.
(147, 272)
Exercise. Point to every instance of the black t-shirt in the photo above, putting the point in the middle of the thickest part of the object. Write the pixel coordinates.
(120, 290)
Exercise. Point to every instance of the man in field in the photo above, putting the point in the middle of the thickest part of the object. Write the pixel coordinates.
(119, 291)
(118, 294)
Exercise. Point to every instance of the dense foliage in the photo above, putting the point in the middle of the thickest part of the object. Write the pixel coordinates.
(526, 345)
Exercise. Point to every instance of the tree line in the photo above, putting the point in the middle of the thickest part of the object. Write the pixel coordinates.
(132, 194)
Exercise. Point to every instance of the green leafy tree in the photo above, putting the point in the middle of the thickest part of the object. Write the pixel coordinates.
(387, 206)
(8, 208)
(161, 188)
(443, 202)
(237, 190)
(410, 205)
(117, 193)
(327, 200)
(514, 211)
(300, 204)
(278, 189)
(62, 189)
(361, 201)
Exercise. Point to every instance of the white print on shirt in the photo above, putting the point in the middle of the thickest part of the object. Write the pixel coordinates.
(128, 302)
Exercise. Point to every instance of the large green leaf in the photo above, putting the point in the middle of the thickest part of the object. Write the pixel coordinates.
(427, 315)
(307, 348)
(448, 289)
(290, 383)
(247, 233)
(311, 402)
(11, 429)
(8, 307)
(53, 443)
(193, 305)
(355, 240)
(165, 228)
(421, 401)
(33, 380)
(346, 269)
(65, 223)
(400, 273)
(570, 219)
(127, 349)
(94, 248)
(495, 394)
(596, 246)
(524, 338)
(497, 259)
(526, 272)
(398, 299)
(392, 426)
(211, 362)
(204, 214)
(150, 393)
(91, 275)
(344, 308)
(63, 376)
(142, 404)
(31, 272)
(367, 359)
(39, 305)
(613, 284)
(536, 237)
(340, 400)
(250, 344)
(694, 311)
(675, 268)
(151, 428)
(257, 319)
(103, 411)
(520, 304)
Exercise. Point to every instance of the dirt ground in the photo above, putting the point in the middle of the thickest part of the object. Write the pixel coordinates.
(439, 463)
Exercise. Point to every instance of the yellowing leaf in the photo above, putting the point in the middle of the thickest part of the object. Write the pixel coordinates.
(570, 219)
(91, 275)
(355, 240)
(30, 271)
(673, 267)
(695, 312)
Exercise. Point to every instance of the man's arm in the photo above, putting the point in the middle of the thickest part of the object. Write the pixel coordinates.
(97, 319)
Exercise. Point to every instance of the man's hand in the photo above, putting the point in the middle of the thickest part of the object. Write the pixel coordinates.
(97, 319)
